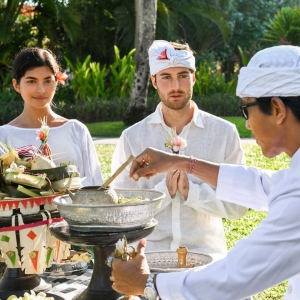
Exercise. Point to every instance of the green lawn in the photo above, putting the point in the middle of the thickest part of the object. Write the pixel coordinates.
(114, 129)
(234, 229)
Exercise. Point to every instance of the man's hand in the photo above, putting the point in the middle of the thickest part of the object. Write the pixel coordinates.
(130, 277)
(172, 182)
(183, 184)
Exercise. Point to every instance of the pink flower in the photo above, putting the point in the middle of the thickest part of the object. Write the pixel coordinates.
(41, 135)
(61, 77)
(43, 132)
(178, 144)
(163, 55)
(175, 142)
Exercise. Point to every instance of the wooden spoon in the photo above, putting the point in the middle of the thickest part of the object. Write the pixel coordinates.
(112, 177)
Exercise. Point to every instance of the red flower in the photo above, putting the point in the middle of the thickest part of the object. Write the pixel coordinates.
(163, 55)
(61, 77)
(41, 135)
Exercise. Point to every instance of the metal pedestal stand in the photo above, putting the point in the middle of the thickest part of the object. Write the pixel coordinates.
(103, 244)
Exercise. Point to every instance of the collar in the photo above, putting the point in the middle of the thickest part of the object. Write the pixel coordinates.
(157, 116)
(295, 161)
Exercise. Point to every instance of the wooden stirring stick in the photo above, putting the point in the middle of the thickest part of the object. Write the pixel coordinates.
(111, 178)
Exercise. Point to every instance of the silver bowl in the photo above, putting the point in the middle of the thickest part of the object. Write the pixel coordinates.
(111, 217)
(166, 261)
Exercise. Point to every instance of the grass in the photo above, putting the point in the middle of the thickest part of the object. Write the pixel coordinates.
(234, 229)
(240, 125)
(114, 129)
(107, 129)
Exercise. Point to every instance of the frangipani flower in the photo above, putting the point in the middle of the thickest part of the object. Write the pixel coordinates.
(175, 142)
(15, 168)
(178, 144)
(120, 246)
(121, 251)
(61, 77)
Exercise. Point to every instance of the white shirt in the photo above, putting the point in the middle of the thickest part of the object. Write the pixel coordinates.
(70, 142)
(197, 222)
(269, 255)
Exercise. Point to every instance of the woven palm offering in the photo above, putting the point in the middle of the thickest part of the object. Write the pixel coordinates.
(29, 181)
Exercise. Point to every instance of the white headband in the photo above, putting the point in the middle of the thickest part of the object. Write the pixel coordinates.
(162, 55)
(271, 72)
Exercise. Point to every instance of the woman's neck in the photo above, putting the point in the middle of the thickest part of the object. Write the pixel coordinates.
(30, 118)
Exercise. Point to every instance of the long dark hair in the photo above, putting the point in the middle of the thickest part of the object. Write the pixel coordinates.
(30, 58)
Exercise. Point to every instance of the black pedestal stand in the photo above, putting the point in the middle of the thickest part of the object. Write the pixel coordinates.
(103, 244)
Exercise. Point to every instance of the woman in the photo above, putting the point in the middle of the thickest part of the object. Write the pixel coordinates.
(36, 75)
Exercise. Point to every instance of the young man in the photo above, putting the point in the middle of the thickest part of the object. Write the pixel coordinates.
(270, 90)
(191, 214)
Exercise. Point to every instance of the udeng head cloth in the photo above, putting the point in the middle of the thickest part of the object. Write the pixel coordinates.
(271, 72)
(162, 55)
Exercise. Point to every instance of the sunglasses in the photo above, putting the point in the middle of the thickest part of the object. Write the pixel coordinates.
(244, 110)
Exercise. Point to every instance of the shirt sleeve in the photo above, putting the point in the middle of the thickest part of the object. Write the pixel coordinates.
(269, 255)
(202, 197)
(247, 186)
(91, 167)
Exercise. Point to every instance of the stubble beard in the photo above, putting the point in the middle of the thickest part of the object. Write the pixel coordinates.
(175, 105)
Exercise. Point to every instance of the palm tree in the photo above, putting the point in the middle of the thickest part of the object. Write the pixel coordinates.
(144, 35)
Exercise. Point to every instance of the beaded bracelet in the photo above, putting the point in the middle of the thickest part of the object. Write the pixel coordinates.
(192, 164)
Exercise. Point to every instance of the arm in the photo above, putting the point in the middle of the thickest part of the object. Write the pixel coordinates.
(266, 257)
(202, 196)
(91, 166)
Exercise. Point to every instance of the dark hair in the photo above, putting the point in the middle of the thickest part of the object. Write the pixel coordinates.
(293, 103)
(30, 58)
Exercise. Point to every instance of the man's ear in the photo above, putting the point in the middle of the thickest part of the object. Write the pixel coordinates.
(153, 81)
(278, 109)
(15, 85)
(194, 78)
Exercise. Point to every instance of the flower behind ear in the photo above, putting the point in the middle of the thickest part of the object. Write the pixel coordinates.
(61, 77)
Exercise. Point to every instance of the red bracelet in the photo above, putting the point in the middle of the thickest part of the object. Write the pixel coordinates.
(192, 164)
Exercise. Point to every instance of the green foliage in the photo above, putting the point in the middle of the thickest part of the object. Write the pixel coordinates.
(219, 104)
(284, 28)
(11, 106)
(203, 24)
(122, 74)
(89, 81)
(244, 56)
(209, 81)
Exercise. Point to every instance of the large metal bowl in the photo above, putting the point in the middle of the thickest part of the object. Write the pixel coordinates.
(166, 261)
(111, 217)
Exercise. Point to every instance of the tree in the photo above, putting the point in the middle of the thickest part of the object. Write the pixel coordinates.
(45, 23)
(144, 36)
(284, 28)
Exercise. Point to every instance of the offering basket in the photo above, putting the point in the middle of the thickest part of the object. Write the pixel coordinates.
(25, 241)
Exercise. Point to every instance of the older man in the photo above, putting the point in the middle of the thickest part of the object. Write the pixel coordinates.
(191, 214)
(270, 90)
